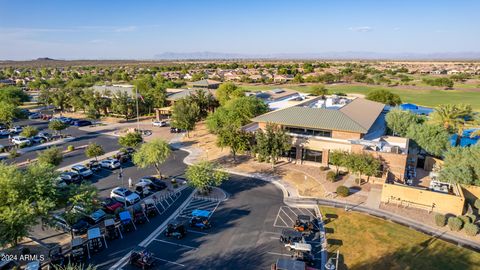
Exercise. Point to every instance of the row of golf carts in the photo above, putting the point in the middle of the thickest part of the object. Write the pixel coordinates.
(96, 240)
(294, 241)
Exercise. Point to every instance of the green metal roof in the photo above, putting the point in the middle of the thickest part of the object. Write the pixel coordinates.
(316, 118)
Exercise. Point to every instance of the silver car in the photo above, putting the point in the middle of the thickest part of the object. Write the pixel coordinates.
(82, 170)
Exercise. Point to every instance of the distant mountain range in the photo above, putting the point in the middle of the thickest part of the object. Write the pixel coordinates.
(326, 55)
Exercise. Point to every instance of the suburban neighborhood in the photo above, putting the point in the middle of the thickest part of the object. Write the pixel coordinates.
(132, 138)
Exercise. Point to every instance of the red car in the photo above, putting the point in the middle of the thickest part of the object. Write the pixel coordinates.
(110, 205)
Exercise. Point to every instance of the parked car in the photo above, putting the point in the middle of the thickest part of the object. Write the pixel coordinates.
(16, 129)
(124, 195)
(82, 170)
(110, 205)
(143, 189)
(37, 139)
(20, 140)
(79, 227)
(123, 156)
(4, 132)
(153, 182)
(111, 164)
(93, 218)
(175, 130)
(34, 116)
(93, 165)
(82, 123)
(159, 123)
(47, 136)
(71, 177)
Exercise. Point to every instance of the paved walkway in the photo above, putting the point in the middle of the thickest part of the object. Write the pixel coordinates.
(40, 146)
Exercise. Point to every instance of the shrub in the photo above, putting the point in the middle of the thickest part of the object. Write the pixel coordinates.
(22, 145)
(455, 224)
(70, 148)
(471, 229)
(472, 217)
(343, 191)
(331, 176)
(440, 220)
(324, 168)
(13, 154)
(466, 219)
(476, 204)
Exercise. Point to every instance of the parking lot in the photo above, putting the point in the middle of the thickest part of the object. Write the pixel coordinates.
(244, 235)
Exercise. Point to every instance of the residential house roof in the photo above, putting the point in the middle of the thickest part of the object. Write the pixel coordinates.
(205, 82)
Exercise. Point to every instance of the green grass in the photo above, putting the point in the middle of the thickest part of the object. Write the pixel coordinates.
(429, 98)
(367, 242)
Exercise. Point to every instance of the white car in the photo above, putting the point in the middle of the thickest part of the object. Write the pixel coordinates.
(159, 123)
(111, 164)
(124, 195)
(19, 140)
(82, 170)
(4, 132)
(16, 129)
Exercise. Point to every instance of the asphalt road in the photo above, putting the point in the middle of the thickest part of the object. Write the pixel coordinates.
(109, 143)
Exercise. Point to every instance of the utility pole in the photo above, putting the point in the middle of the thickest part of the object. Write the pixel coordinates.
(120, 176)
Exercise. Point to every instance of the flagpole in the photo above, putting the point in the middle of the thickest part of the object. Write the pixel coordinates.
(136, 104)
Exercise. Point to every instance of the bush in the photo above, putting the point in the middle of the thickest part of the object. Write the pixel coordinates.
(343, 191)
(471, 229)
(455, 223)
(466, 219)
(472, 217)
(13, 154)
(331, 176)
(440, 220)
(70, 148)
(476, 204)
(324, 168)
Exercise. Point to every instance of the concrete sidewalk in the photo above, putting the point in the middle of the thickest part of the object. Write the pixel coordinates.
(41, 146)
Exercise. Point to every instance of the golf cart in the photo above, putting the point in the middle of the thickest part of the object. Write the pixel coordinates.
(304, 224)
(200, 219)
(56, 257)
(304, 256)
(78, 250)
(150, 208)
(176, 228)
(111, 231)
(142, 189)
(126, 221)
(95, 240)
(93, 165)
(142, 258)
(139, 216)
(290, 236)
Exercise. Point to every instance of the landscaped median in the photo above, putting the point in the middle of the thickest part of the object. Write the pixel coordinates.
(367, 242)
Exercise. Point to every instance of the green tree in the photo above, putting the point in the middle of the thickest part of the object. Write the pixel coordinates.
(337, 159)
(52, 155)
(452, 117)
(385, 97)
(29, 131)
(153, 153)
(8, 112)
(84, 196)
(27, 195)
(236, 139)
(204, 100)
(13, 95)
(271, 143)
(398, 121)
(185, 115)
(122, 104)
(319, 90)
(432, 138)
(204, 175)
(59, 98)
(57, 126)
(94, 150)
(131, 139)
(461, 166)
(228, 91)
(363, 164)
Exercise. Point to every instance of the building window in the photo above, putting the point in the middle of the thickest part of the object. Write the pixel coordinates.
(309, 132)
(291, 154)
(311, 155)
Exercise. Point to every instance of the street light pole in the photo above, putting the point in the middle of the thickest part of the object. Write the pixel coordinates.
(120, 175)
(136, 104)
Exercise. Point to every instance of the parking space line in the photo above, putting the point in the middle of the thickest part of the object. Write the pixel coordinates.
(301, 211)
(197, 232)
(279, 254)
(175, 244)
(294, 214)
(167, 261)
(285, 226)
(288, 215)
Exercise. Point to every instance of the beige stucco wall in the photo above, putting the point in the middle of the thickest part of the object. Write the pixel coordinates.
(471, 192)
(345, 135)
(424, 199)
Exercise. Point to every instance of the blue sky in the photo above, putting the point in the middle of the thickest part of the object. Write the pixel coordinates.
(105, 29)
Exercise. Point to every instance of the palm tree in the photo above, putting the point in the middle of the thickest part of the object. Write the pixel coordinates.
(453, 117)
(319, 90)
